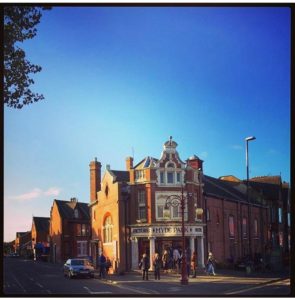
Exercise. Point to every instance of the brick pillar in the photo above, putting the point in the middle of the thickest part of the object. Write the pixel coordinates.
(95, 178)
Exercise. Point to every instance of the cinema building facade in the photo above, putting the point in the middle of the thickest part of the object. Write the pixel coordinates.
(130, 214)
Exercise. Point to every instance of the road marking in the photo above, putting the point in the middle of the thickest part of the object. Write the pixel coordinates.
(40, 285)
(134, 290)
(93, 292)
(272, 282)
(18, 283)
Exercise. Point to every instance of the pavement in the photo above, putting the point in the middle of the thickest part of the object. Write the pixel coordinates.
(136, 275)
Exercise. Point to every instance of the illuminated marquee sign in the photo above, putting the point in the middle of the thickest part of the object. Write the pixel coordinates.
(163, 231)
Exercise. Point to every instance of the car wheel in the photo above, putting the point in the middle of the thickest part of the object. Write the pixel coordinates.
(69, 275)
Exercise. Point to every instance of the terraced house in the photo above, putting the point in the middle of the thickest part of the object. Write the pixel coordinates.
(69, 230)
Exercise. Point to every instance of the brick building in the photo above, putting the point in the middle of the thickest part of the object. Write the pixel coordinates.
(229, 233)
(69, 230)
(109, 209)
(25, 244)
(128, 212)
(40, 236)
(17, 242)
(225, 215)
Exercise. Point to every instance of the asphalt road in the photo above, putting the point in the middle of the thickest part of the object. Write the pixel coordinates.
(25, 277)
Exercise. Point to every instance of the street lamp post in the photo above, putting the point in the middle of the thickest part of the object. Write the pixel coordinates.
(248, 139)
(178, 201)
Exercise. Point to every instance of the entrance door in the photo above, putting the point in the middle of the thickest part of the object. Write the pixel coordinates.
(143, 247)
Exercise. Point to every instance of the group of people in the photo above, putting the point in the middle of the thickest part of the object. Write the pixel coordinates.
(172, 260)
(169, 260)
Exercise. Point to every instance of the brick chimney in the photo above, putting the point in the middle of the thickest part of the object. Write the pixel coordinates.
(95, 179)
(129, 163)
(195, 162)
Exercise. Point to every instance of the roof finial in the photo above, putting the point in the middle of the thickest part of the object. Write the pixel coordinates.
(170, 142)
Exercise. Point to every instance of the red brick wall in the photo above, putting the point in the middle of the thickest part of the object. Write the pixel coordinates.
(222, 245)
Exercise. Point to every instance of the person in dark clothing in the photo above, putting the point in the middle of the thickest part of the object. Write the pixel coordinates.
(108, 265)
(102, 264)
(157, 265)
(145, 265)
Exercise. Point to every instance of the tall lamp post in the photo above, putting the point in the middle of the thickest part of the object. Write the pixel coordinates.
(179, 201)
(247, 140)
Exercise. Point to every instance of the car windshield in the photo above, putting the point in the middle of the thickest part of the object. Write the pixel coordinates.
(78, 262)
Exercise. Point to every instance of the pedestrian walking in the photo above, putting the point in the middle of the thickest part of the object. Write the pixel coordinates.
(194, 264)
(210, 264)
(157, 265)
(145, 265)
(165, 259)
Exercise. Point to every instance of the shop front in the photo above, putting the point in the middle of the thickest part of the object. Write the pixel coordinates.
(151, 239)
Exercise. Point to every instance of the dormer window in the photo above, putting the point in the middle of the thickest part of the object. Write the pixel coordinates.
(76, 213)
(139, 175)
(170, 175)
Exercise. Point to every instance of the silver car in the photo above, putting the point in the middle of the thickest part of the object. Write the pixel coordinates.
(75, 267)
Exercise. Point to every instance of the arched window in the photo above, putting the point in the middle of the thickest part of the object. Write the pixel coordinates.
(108, 230)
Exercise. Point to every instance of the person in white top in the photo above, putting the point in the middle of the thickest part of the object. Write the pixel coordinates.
(176, 259)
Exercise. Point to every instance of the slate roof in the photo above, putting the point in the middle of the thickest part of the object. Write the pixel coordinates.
(147, 162)
(121, 176)
(222, 189)
(237, 191)
(66, 209)
(270, 191)
(41, 223)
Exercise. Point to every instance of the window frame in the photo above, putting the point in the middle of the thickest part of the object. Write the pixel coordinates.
(231, 226)
(255, 227)
(244, 227)
(108, 230)
(80, 248)
(141, 205)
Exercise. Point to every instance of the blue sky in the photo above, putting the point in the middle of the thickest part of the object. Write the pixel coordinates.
(123, 78)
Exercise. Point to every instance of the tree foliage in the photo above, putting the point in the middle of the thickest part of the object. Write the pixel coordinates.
(19, 25)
